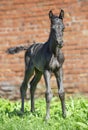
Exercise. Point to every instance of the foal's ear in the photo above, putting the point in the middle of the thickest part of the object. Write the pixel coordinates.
(50, 14)
(61, 15)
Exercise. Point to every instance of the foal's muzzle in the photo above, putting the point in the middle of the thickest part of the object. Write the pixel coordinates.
(60, 44)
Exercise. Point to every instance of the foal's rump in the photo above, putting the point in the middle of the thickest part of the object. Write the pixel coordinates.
(33, 49)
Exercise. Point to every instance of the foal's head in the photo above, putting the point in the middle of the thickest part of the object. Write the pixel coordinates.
(57, 27)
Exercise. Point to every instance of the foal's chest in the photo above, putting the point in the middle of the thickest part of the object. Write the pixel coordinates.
(54, 63)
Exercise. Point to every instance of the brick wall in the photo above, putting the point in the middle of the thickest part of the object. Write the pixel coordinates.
(25, 21)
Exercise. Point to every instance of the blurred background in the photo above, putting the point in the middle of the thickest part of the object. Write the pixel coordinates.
(23, 22)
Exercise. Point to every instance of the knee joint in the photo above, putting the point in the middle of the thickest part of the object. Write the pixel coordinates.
(48, 96)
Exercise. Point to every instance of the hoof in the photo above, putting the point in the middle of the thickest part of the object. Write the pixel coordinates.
(47, 117)
(20, 113)
(32, 110)
(64, 115)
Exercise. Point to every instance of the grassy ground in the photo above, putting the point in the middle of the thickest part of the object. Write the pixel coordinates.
(77, 115)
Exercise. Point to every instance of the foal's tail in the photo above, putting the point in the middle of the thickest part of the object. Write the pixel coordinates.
(14, 50)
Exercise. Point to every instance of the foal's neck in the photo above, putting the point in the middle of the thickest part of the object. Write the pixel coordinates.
(53, 48)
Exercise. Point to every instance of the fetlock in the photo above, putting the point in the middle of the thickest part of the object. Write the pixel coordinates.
(62, 95)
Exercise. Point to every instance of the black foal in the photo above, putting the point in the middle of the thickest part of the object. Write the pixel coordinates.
(45, 59)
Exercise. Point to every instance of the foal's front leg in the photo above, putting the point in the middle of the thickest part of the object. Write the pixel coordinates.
(59, 78)
(48, 94)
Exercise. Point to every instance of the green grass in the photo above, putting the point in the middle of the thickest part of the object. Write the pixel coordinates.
(77, 115)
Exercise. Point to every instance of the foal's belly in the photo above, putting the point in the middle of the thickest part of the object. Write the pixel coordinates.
(39, 62)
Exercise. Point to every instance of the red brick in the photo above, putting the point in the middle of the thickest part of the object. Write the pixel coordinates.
(22, 21)
(70, 1)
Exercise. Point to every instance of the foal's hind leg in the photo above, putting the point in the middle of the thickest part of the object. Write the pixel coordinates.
(33, 85)
(24, 86)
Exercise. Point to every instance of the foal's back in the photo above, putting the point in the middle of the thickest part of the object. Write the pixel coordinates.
(38, 54)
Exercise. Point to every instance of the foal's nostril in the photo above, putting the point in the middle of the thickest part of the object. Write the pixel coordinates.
(61, 44)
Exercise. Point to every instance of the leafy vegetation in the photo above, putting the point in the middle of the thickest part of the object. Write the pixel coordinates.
(77, 115)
